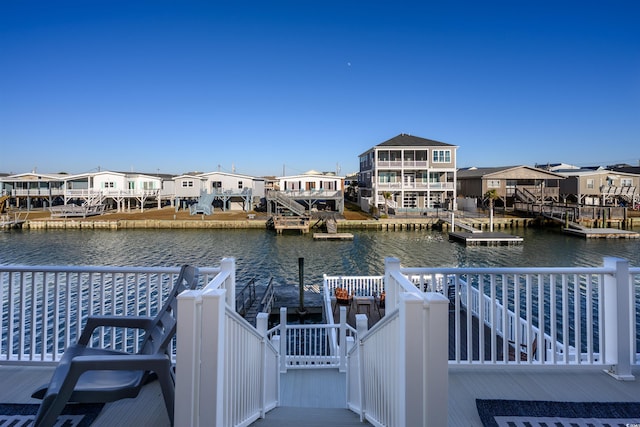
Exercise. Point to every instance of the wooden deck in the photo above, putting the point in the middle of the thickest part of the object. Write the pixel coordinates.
(282, 223)
(325, 389)
(465, 386)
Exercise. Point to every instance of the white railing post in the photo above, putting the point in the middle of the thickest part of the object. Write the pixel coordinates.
(262, 325)
(411, 348)
(361, 329)
(436, 359)
(228, 268)
(343, 339)
(283, 339)
(212, 398)
(187, 359)
(391, 264)
(618, 303)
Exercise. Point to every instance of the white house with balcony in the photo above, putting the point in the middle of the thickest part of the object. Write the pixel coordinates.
(314, 190)
(414, 173)
(34, 189)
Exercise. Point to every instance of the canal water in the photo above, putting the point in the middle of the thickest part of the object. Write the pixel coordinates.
(262, 254)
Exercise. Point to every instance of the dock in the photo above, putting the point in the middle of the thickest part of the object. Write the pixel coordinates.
(332, 232)
(601, 233)
(285, 222)
(332, 236)
(15, 221)
(486, 238)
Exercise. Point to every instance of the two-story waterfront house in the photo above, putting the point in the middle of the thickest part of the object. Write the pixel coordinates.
(408, 173)
(314, 190)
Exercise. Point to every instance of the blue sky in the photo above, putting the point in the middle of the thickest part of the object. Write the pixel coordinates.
(273, 87)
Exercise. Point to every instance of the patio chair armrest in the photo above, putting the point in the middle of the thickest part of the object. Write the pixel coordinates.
(93, 322)
(129, 362)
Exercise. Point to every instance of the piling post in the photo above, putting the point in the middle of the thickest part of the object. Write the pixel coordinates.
(301, 310)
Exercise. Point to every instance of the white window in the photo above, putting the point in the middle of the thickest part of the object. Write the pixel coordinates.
(493, 183)
(626, 182)
(441, 156)
(239, 185)
(186, 184)
(109, 184)
(590, 183)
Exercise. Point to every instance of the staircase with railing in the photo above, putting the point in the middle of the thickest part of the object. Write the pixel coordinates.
(286, 202)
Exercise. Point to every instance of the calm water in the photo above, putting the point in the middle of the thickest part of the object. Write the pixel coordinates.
(263, 254)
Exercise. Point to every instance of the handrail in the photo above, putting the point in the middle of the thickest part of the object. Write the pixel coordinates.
(246, 301)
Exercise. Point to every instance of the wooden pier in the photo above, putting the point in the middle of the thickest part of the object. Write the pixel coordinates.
(485, 238)
(283, 222)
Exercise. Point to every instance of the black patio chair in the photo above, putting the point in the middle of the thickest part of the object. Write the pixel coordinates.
(93, 375)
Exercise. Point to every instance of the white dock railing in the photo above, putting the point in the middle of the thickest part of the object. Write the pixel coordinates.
(44, 308)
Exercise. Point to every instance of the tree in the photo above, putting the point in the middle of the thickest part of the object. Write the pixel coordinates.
(492, 196)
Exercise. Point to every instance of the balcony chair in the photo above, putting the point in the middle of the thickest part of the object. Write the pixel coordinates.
(343, 298)
(93, 375)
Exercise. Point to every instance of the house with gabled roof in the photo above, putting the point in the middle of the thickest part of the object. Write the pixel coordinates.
(408, 173)
(511, 183)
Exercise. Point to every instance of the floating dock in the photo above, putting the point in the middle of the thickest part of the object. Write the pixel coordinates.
(486, 238)
(332, 236)
(602, 233)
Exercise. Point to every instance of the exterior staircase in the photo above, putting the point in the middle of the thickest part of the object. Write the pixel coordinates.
(287, 202)
(312, 398)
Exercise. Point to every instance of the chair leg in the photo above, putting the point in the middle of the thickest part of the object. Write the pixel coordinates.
(168, 392)
(49, 410)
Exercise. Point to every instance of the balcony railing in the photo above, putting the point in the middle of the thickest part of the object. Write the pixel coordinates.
(38, 192)
(416, 185)
(45, 307)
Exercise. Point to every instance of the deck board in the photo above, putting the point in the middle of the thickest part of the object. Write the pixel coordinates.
(465, 386)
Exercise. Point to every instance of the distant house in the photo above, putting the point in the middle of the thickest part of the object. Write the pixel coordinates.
(511, 183)
(234, 191)
(601, 187)
(117, 188)
(34, 189)
(314, 190)
(408, 173)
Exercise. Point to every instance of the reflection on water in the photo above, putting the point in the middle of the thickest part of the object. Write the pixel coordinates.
(263, 254)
